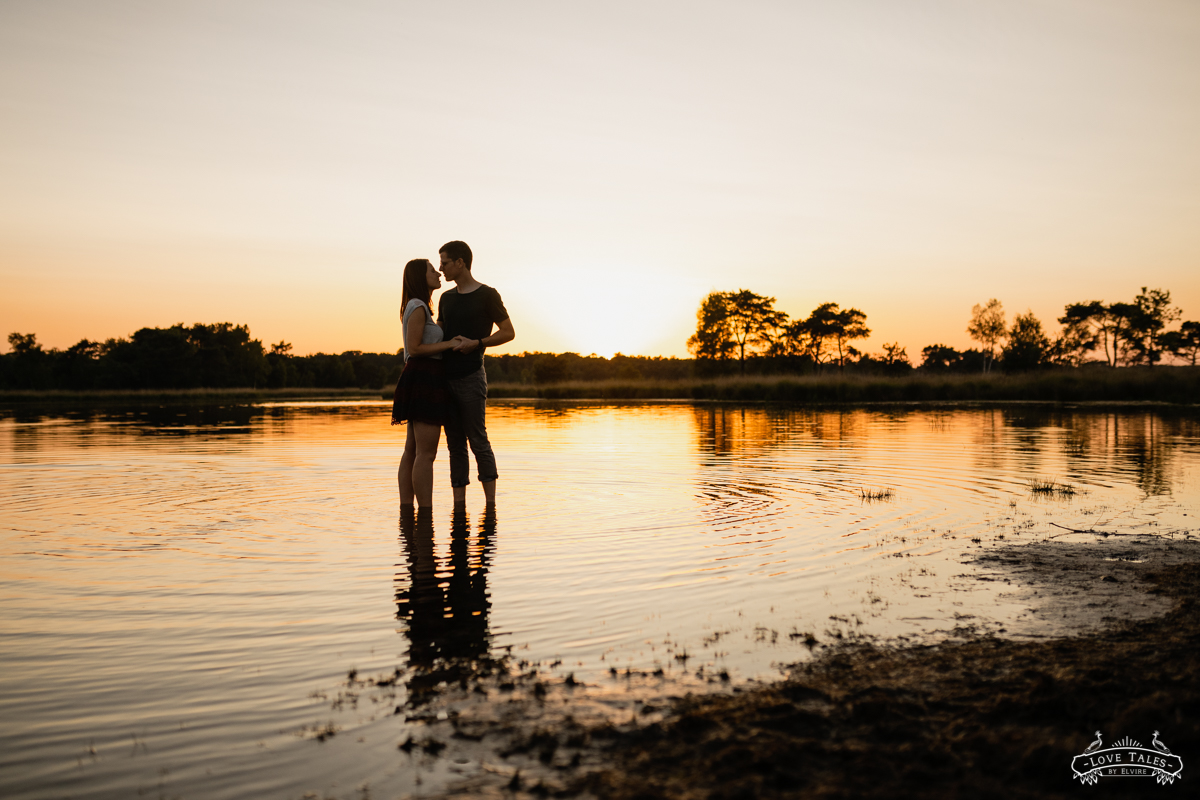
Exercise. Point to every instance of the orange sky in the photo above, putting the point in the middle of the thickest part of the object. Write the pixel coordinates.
(276, 163)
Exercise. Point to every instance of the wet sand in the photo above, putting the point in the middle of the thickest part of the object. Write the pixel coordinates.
(1110, 642)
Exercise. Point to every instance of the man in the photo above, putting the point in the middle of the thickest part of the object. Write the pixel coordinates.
(469, 310)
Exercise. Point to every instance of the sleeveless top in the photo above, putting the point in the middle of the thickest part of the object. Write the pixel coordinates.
(432, 333)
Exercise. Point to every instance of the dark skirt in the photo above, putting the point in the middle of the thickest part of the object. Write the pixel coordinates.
(422, 393)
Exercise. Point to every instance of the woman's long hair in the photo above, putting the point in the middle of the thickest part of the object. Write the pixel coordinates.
(415, 283)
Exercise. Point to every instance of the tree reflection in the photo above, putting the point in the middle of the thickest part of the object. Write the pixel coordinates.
(749, 453)
(1140, 446)
(445, 606)
(730, 430)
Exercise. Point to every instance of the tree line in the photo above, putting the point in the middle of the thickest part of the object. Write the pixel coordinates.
(734, 331)
(226, 355)
(187, 357)
(745, 328)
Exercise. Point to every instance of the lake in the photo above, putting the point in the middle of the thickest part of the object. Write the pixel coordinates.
(186, 590)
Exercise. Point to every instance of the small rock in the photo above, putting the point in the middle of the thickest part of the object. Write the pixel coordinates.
(1109, 579)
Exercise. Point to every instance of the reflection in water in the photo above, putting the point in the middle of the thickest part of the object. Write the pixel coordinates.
(1030, 439)
(445, 610)
(1136, 443)
(146, 555)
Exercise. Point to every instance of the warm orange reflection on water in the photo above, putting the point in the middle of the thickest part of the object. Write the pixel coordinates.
(186, 589)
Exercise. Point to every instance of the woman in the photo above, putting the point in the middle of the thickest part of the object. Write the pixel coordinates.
(422, 396)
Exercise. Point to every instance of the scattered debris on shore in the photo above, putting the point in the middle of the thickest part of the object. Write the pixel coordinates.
(986, 717)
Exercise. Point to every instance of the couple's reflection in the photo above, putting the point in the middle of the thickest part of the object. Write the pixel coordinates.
(445, 605)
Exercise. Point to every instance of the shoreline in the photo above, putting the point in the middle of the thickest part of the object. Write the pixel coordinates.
(238, 396)
(1111, 643)
(87, 401)
(1165, 386)
(1174, 385)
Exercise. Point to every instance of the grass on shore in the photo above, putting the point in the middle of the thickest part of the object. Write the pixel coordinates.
(178, 396)
(1179, 385)
(1176, 385)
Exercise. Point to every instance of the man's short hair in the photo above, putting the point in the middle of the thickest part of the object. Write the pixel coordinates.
(456, 250)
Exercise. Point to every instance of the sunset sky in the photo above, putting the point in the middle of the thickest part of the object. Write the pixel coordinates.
(276, 163)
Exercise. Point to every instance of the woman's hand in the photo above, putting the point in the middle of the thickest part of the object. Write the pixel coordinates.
(456, 342)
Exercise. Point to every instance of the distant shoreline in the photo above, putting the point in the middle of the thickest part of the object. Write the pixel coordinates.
(1171, 386)
(99, 397)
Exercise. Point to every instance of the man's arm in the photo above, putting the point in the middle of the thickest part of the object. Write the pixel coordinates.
(503, 334)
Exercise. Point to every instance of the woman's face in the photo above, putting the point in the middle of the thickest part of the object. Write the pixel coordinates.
(432, 278)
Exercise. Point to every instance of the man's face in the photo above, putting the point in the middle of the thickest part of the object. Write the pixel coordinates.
(452, 269)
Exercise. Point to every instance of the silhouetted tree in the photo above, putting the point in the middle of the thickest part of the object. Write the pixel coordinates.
(282, 373)
(892, 361)
(1027, 345)
(78, 367)
(1183, 343)
(28, 363)
(939, 358)
(736, 322)
(895, 355)
(753, 322)
(1118, 321)
(226, 355)
(1083, 330)
(829, 329)
(987, 327)
(1146, 325)
(23, 343)
(713, 339)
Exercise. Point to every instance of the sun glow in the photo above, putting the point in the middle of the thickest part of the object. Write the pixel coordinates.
(603, 308)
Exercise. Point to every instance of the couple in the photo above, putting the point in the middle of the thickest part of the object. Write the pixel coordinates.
(443, 383)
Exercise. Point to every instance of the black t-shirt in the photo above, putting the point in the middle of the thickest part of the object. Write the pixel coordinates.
(471, 315)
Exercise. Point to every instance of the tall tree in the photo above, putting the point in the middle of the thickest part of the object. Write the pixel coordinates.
(713, 339)
(23, 343)
(1183, 343)
(753, 321)
(1027, 345)
(729, 323)
(1118, 323)
(27, 364)
(1083, 330)
(830, 329)
(988, 328)
(1154, 312)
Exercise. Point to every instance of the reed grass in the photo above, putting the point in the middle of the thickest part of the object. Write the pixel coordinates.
(1177, 385)
(871, 495)
(179, 396)
(1051, 487)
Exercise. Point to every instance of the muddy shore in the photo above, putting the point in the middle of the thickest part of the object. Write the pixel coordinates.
(983, 716)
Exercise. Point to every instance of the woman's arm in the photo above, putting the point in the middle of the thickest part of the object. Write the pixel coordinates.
(415, 330)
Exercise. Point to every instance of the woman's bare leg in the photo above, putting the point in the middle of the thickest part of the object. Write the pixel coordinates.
(404, 476)
(427, 437)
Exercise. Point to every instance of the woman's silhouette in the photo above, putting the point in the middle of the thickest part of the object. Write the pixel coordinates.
(422, 395)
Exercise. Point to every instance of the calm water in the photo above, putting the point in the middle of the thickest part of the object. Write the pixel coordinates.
(184, 591)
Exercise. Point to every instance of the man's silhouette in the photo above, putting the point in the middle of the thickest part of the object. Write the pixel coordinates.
(470, 310)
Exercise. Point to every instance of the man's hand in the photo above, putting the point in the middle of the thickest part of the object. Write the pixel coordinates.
(467, 345)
